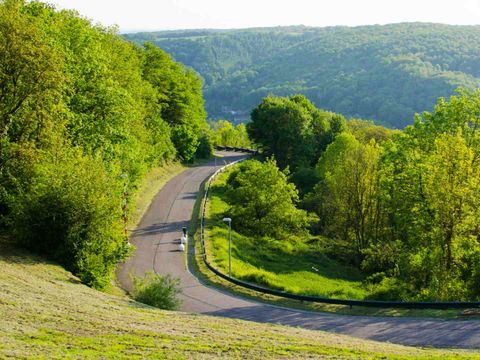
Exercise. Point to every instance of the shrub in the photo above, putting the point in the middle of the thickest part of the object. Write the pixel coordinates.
(157, 290)
(390, 289)
(186, 141)
(72, 215)
(205, 147)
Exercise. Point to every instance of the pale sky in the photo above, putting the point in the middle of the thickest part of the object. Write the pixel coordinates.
(197, 14)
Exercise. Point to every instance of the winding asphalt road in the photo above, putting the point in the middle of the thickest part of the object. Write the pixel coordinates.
(156, 240)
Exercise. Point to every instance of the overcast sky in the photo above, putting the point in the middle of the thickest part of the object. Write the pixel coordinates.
(196, 14)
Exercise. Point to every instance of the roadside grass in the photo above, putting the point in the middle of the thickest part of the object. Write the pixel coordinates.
(46, 312)
(217, 247)
(151, 184)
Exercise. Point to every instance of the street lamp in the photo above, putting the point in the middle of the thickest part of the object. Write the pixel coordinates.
(229, 221)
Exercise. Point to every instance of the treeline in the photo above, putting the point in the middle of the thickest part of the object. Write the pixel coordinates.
(80, 109)
(384, 73)
(224, 133)
(402, 206)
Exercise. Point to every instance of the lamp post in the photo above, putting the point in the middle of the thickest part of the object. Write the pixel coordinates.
(229, 221)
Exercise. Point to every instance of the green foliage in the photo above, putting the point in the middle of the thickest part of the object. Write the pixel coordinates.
(225, 134)
(401, 206)
(386, 73)
(351, 182)
(205, 146)
(186, 141)
(305, 179)
(364, 131)
(293, 130)
(282, 127)
(410, 206)
(334, 153)
(179, 98)
(70, 215)
(31, 76)
(262, 201)
(79, 106)
(158, 291)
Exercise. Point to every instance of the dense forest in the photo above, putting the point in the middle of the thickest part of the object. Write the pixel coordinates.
(81, 111)
(400, 206)
(383, 73)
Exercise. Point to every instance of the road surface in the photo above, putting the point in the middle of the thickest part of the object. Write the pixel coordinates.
(157, 238)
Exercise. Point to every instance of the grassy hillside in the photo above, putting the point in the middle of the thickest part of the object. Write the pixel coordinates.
(47, 313)
(385, 73)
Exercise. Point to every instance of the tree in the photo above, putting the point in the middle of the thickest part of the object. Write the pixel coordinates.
(282, 128)
(205, 146)
(71, 215)
(451, 188)
(440, 238)
(349, 171)
(225, 134)
(31, 76)
(79, 106)
(364, 131)
(242, 136)
(179, 97)
(186, 140)
(407, 65)
(335, 153)
(262, 202)
(429, 190)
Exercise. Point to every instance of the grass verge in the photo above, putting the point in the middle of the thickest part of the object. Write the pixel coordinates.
(47, 313)
(149, 187)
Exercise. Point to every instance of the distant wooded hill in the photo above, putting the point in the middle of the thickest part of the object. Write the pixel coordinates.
(385, 73)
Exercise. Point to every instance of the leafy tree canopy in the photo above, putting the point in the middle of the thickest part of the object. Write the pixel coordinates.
(262, 201)
(79, 107)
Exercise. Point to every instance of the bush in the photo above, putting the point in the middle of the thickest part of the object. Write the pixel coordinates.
(390, 289)
(157, 290)
(72, 215)
(205, 147)
(186, 141)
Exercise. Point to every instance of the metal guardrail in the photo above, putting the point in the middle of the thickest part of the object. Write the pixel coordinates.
(318, 299)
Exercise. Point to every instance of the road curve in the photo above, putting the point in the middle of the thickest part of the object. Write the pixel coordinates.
(156, 240)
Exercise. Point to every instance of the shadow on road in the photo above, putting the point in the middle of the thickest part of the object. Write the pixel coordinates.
(160, 228)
